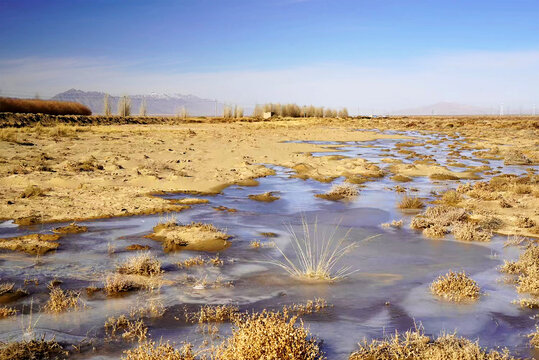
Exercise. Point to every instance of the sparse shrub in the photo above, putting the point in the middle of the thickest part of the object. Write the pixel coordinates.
(455, 287)
(143, 110)
(310, 307)
(468, 231)
(269, 335)
(394, 223)
(159, 351)
(451, 197)
(141, 264)
(32, 349)
(126, 329)
(7, 312)
(340, 192)
(60, 300)
(435, 232)
(410, 202)
(212, 313)
(415, 345)
(227, 112)
(116, 283)
(106, 105)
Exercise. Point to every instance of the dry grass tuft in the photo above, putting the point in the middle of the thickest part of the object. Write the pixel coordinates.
(310, 307)
(468, 231)
(451, 198)
(269, 335)
(116, 284)
(317, 256)
(7, 312)
(32, 349)
(529, 303)
(126, 329)
(339, 192)
(527, 269)
(414, 344)
(455, 286)
(151, 350)
(200, 261)
(213, 313)
(409, 202)
(435, 231)
(141, 264)
(32, 191)
(61, 301)
(394, 223)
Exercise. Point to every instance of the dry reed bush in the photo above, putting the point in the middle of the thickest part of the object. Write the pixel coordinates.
(415, 345)
(339, 192)
(394, 223)
(534, 337)
(124, 106)
(516, 240)
(265, 197)
(451, 198)
(122, 327)
(63, 300)
(269, 335)
(468, 231)
(7, 312)
(410, 202)
(212, 313)
(142, 264)
(116, 284)
(151, 350)
(310, 307)
(435, 231)
(317, 255)
(528, 303)
(43, 107)
(455, 286)
(35, 349)
(401, 178)
(527, 269)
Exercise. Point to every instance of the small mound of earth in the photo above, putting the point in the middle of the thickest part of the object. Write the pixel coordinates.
(265, 197)
(135, 247)
(70, 229)
(194, 237)
(190, 201)
(33, 244)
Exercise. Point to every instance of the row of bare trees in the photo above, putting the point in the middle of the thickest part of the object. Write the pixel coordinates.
(294, 110)
(236, 112)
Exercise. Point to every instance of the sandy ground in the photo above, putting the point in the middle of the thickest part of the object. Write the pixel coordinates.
(68, 173)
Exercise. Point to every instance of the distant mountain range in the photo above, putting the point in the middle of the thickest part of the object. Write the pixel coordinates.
(445, 108)
(156, 104)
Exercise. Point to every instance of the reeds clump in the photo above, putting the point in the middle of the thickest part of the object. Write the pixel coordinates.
(451, 198)
(213, 313)
(414, 344)
(227, 112)
(7, 312)
(317, 256)
(141, 264)
(410, 202)
(269, 335)
(340, 192)
(527, 269)
(36, 106)
(106, 105)
(117, 283)
(455, 286)
(63, 300)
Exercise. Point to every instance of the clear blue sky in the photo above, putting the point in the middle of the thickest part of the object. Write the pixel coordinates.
(138, 38)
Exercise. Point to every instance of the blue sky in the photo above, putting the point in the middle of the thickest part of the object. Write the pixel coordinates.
(136, 46)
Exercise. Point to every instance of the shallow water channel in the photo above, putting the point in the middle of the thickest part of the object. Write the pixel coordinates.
(389, 289)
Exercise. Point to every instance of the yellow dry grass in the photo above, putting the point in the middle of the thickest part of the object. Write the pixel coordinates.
(7, 312)
(151, 350)
(455, 286)
(468, 231)
(32, 349)
(129, 330)
(415, 345)
(527, 270)
(63, 300)
(142, 264)
(410, 202)
(213, 313)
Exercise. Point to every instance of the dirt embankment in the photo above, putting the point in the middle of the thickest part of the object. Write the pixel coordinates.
(77, 172)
